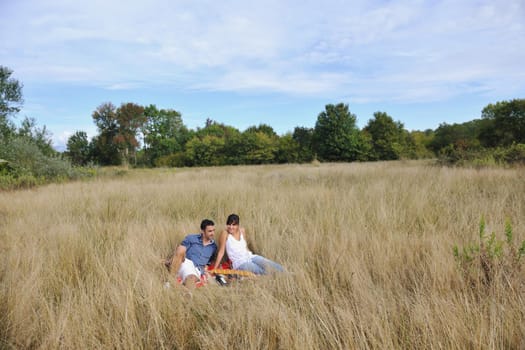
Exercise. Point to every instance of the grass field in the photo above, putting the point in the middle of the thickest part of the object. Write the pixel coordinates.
(368, 248)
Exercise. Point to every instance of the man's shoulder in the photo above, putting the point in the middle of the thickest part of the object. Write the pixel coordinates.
(194, 237)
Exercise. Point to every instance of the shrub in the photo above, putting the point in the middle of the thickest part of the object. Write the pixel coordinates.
(515, 154)
(173, 160)
(491, 261)
(454, 155)
(25, 165)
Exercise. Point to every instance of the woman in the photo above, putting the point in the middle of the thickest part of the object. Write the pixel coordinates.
(233, 241)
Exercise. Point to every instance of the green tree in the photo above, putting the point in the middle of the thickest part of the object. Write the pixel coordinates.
(234, 147)
(105, 117)
(488, 137)
(233, 150)
(304, 136)
(41, 137)
(164, 133)
(119, 128)
(206, 151)
(105, 150)
(422, 140)
(461, 136)
(259, 147)
(10, 94)
(130, 119)
(262, 128)
(336, 136)
(216, 129)
(388, 137)
(287, 149)
(10, 102)
(260, 144)
(78, 150)
(508, 122)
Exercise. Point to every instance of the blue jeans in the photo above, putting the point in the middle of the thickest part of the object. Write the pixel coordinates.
(261, 266)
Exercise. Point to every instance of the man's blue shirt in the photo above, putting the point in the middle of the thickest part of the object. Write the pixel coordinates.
(196, 251)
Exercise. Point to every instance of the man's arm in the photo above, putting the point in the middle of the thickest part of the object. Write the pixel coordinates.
(177, 259)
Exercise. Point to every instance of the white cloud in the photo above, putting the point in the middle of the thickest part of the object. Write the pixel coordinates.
(288, 47)
(367, 51)
(123, 86)
(60, 141)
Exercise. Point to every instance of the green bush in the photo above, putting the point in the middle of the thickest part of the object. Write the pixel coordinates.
(491, 261)
(24, 165)
(480, 157)
(10, 182)
(514, 155)
(173, 160)
(25, 158)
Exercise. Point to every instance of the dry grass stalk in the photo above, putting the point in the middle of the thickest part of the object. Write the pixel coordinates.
(368, 248)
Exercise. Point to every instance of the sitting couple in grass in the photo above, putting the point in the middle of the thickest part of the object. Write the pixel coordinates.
(198, 250)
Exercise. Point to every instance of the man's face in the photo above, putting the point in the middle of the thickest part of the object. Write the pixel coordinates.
(209, 232)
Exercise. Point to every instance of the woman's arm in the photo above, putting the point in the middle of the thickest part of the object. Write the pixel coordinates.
(222, 246)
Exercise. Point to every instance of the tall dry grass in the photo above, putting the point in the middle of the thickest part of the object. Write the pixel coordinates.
(368, 249)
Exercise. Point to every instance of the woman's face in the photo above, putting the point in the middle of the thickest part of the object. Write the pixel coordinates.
(232, 228)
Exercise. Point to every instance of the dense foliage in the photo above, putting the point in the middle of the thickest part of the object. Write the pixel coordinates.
(26, 155)
(168, 142)
(151, 137)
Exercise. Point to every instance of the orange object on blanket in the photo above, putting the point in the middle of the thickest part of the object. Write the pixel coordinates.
(224, 268)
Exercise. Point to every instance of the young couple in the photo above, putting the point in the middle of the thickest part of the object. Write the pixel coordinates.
(197, 250)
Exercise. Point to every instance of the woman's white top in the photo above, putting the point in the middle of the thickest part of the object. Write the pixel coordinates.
(237, 251)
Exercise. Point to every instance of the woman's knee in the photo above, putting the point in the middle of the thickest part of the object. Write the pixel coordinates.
(252, 267)
(267, 264)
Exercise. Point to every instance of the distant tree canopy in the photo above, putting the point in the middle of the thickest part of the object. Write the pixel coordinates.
(335, 137)
(119, 128)
(387, 137)
(149, 136)
(465, 135)
(164, 134)
(10, 101)
(303, 137)
(78, 149)
(10, 93)
(504, 123)
(105, 149)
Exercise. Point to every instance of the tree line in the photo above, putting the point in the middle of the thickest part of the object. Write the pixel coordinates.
(147, 136)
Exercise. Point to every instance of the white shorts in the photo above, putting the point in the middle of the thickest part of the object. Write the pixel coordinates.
(187, 268)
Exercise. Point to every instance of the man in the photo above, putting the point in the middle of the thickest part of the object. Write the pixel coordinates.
(193, 254)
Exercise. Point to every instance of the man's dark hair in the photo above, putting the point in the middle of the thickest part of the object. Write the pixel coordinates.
(232, 219)
(205, 223)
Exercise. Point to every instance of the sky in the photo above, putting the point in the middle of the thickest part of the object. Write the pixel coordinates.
(246, 63)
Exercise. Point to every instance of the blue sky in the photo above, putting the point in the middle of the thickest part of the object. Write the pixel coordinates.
(244, 63)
